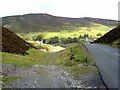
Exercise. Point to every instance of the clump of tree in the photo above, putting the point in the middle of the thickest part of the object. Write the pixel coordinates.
(84, 36)
(53, 40)
(71, 40)
(68, 40)
(57, 40)
(39, 38)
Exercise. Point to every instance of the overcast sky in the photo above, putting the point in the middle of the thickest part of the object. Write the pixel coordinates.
(107, 9)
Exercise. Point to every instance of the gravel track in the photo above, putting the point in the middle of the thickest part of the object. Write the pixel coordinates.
(51, 76)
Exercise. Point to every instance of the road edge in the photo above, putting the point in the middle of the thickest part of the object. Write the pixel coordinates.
(101, 77)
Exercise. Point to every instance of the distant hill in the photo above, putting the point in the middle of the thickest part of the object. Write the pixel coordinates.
(12, 43)
(46, 22)
(110, 37)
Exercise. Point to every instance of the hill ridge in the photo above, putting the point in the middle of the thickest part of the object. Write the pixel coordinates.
(46, 22)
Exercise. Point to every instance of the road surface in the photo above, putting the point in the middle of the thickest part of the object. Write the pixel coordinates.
(106, 59)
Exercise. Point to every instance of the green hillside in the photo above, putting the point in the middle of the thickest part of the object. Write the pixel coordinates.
(48, 23)
(29, 26)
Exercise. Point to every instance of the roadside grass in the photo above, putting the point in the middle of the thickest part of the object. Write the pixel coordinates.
(63, 59)
(73, 66)
(77, 70)
(8, 79)
(78, 54)
(93, 30)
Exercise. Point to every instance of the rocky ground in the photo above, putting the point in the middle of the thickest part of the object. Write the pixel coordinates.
(50, 76)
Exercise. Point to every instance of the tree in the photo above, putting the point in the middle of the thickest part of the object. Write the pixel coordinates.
(80, 37)
(39, 37)
(87, 35)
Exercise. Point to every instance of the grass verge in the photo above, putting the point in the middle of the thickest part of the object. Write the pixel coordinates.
(8, 79)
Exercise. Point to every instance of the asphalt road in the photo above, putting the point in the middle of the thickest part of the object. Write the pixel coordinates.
(106, 59)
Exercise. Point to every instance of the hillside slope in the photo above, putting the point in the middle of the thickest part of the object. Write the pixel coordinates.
(46, 22)
(12, 43)
(110, 37)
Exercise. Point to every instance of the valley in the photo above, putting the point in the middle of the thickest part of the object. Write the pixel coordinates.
(45, 51)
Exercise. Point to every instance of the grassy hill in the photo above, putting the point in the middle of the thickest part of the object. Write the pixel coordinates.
(29, 26)
(46, 22)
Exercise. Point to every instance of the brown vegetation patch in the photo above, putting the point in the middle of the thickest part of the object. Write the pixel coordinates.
(12, 43)
(109, 37)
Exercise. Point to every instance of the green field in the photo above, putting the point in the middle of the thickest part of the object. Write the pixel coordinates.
(93, 30)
